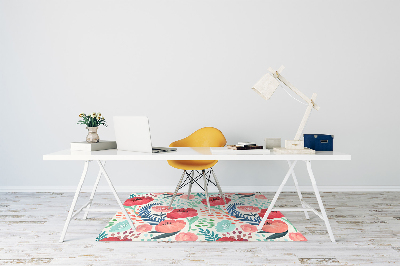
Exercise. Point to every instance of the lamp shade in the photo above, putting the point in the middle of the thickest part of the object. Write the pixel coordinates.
(266, 86)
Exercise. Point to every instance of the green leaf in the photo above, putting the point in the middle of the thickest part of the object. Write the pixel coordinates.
(277, 235)
(165, 235)
(194, 219)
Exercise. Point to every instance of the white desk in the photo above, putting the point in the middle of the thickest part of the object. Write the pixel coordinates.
(194, 154)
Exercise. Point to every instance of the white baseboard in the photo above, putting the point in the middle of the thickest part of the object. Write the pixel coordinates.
(130, 189)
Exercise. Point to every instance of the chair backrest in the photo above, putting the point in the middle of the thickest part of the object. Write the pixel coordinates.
(204, 137)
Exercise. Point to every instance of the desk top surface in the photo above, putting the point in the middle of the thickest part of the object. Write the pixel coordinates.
(186, 153)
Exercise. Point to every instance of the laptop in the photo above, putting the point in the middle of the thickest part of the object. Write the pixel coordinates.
(133, 134)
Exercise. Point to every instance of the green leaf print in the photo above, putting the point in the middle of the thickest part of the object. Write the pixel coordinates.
(277, 235)
(209, 236)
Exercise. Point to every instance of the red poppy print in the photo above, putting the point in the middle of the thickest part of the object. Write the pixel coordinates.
(214, 201)
(115, 239)
(170, 226)
(248, 228)
(162, 209)
(260, 196)
(185, 196)
(275, 226)
(248, 209)
(272, 215)
(170, 194)
(182, 213)
(137, 201)
(186, 237)
(297, 237)
(231, 239)
(143, 228)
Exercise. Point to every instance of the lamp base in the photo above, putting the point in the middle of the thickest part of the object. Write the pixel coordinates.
(293, 151)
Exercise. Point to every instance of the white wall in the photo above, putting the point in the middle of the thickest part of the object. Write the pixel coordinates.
(190, 64)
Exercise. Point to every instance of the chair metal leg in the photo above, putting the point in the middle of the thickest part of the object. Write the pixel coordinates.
(177, 188)
(218, 186)
(206, 190)
(190, 184)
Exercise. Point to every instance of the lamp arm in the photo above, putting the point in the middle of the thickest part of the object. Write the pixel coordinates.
(305, 117)
(293, 88)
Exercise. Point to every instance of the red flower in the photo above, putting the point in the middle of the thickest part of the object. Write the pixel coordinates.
(185, 196)
(214, 201)
(115, 239)
(182, 213)
(297, 237)
(186, 237)
(260, 196)
(137, 201)
(272, 215)
(275, 226)
(248, 209)
(231, 239)
(162, 209)
(170, 226)
(143, 228)
(171, 194)
(248, 228)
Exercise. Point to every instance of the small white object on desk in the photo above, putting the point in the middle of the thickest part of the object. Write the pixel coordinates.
(226, 150)
(98, 146)
(271, 143)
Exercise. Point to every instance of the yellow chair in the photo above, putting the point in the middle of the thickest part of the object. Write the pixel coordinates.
(204, 137)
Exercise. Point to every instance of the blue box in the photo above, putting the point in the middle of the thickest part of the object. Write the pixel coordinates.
(318, 142)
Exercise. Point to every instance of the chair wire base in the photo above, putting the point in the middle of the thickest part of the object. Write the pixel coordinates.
(193, 176)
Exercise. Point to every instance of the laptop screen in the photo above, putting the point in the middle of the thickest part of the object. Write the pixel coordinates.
(132, 133)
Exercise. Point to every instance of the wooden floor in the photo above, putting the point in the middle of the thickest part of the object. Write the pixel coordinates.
(366, 227)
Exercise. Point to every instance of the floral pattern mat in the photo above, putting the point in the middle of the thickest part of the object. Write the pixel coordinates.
(189, 220)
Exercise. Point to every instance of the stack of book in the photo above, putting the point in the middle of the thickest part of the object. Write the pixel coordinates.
(98, 146)
(245, 146)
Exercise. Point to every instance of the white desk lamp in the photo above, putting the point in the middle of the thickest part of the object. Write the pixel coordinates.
(266, 86)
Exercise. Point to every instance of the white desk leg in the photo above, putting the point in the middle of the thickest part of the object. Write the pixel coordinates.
(128, 218)
(71, 210)
(298, 191)
(264, 219)
(321, 205)
(93, 192)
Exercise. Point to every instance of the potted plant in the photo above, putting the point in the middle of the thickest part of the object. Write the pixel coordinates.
(92, 123)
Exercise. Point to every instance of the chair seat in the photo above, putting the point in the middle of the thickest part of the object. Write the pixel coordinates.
(192, 164)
